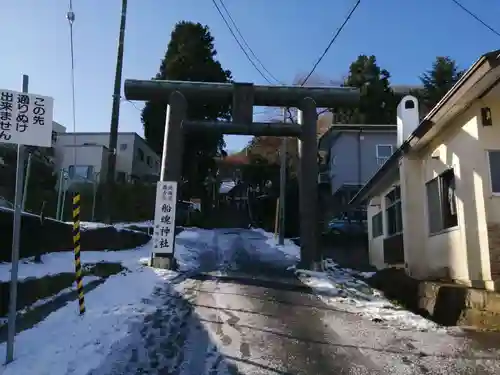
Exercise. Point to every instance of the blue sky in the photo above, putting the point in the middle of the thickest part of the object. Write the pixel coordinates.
(287, 35)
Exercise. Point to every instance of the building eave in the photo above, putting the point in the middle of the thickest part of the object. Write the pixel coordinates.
(474, 84)
(364, 127)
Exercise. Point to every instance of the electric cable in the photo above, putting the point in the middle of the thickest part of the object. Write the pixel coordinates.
(247, 45)
(318, 61)
(239, 43)
(476, 17)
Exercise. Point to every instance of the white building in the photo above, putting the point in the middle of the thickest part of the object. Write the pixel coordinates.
(85, 157)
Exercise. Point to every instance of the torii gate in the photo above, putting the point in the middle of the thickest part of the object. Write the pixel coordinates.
(243, 97)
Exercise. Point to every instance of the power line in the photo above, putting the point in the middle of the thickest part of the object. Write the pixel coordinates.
(290, 116)
(239, 43)
(131, 102)
(246, 44)
(249, 48)
(476, 17)
(331, 42)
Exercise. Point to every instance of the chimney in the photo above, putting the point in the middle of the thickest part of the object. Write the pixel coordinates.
(408, 118)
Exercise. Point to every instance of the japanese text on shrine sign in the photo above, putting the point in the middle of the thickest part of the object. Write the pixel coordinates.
(164, 225)
(25, 118)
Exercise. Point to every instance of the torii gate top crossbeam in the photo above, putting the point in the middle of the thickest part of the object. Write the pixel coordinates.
(272, 96)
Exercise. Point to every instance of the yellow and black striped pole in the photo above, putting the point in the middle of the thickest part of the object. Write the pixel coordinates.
(76, 246)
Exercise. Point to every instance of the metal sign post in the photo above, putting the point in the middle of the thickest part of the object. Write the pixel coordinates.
(65, 186)
(95, 182)
(25, 119)
(59, 193)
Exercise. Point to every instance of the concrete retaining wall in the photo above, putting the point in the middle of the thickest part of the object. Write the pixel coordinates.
(450, 304)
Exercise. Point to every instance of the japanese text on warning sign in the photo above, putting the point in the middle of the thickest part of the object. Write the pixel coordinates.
(164, 225)
(25, 119)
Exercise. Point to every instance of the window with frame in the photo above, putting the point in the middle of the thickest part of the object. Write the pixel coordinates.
(393, 211)
(123, 146)
(377, 225)
(149, 161)
(140, 154)
(383, 153)
(494, 165)
(441, 202)
(81, 172)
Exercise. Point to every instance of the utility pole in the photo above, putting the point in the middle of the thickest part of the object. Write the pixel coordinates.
(283, 161)
(27, 177)
(16, 240)
(115, 115)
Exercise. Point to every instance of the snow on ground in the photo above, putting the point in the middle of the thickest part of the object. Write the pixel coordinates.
(193, 242)
(88, 225)
(68, 343)
(60, 262)
(139, 224)
(64, 261)
(290, 249)
(86, 280)
(344, 290)
(25, 213)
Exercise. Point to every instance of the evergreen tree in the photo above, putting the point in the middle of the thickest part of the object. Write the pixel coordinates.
(377, 102)
(190, 56)
(438, 81)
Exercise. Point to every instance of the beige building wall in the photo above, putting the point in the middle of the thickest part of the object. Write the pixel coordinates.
(490, 140)
(460, 253)
(468, 253)
(412, 210)
(375, 245)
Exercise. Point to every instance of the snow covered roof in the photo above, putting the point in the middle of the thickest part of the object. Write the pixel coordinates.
(226, 187)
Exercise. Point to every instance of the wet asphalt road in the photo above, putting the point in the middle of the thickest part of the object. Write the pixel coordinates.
(234, 312)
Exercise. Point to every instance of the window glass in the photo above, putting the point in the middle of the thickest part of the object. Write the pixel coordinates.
(441, 202)
(384, 151)
(494, 158)
(377, 228)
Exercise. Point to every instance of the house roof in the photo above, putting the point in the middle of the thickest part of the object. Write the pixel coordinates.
(234, 159)
(226, 186)
(82, 134)
(476, 82)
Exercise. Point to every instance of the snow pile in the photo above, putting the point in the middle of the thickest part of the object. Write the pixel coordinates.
(85, 225)
(89, 225)
(289, 248)
(332, 267)
(86, 280)
(192, 248)
(344, 290)
(138, 224)
(68, 343)
(61, 262)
